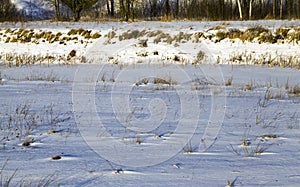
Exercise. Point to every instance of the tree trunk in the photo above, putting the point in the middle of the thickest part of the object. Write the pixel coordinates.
(240, 9)
(289, 8)
(298, 9)
(76, 10)
(177, 9)
(231, 16)
(127, 10)
(122, 9)
(154, 8)
(108, 8)
(281, 9)
(221, 4)
(207, 10)
(184, 8)
(131, 10)
(250, 9)
(262, 9)
(274, 8)
(168, 9)
(112, 8)
(77, 15)
(57, 9)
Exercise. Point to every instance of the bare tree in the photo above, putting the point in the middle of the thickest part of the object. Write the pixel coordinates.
(56, 5)
(126, 9)
(8, 11)
(78, 6)
(190, 9)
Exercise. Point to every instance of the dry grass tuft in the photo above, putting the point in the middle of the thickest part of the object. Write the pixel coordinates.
(56, 157)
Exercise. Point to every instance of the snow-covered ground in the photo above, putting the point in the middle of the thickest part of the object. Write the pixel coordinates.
(131, 108)
(179, 36)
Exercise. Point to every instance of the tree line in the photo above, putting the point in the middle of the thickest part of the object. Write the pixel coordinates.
(8, 11)
(165, 10)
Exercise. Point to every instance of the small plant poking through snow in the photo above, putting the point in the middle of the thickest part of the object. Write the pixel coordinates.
(252, 145)
(229, 81)
(188, 149)
(7, 180)
(21, 122)
(71, 54)
(201, 56)
(232, 183)
(27, 143)
(295, 90)
(56, 157)
(1, 79)
(248, 86)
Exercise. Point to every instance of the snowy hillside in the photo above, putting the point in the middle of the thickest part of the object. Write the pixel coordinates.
(150, 103)
(34, 9)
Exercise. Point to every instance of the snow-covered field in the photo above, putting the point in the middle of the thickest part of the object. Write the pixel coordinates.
(148, 104)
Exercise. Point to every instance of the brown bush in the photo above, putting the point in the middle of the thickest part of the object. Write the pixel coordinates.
(96, 35)
(254, 32)
(281, 33)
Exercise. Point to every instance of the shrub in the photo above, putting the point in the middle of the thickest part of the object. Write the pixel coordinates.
(266, 37)
(71, 54)
(162, 36)
(221, 35)
(110, 34)
(229, 81)
(56, 157)
(87, 35)
(134, 34)
(161, 81)
(26, 143)
(197, 36)
(235, 33)
(201, 56)
(154, 33)
(295, 90)
(142, 33)
(281, 33)
(179, 37)
(168, 40)
(294, 34)
(96, 35)
(254, 32)
(129, 35)
(14, 40)
(8, 31)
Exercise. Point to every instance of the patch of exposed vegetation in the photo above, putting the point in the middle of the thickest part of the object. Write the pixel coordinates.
(41, 36)
(257, 34)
